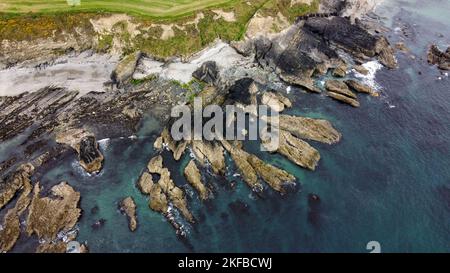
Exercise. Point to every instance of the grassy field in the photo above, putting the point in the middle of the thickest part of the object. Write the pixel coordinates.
(147, 8)
(29, 20)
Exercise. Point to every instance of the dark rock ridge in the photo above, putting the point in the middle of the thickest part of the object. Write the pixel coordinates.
(208, 72)
(91, 159)
(439, 58)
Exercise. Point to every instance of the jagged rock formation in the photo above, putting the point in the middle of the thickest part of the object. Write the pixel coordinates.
(275, 101)
(339, 90)
(193, 176)
(359, 87)
(209, 153)
(251, 168)
(208, 72)
(340, 71)
(125, 68)
(165, 190)
(296, 150)
(145, 183)
(308, 128)
(128, 207)
(439, 58)
(166, 140)
(50, 215)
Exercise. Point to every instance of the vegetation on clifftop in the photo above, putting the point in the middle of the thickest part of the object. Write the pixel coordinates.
(164, 28)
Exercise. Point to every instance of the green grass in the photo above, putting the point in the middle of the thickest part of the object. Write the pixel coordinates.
(33, 19)
(147, 8)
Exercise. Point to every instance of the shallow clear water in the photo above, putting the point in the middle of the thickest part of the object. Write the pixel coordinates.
(388, 180)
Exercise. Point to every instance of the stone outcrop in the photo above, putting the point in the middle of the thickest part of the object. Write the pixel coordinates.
(165, 190)
(338, 90)
(91, 159)
(193, 176)
(296, 150)
(208, 72)
(50, 215)
(340, 71)
(85, 144)
(252, 168)
(125, 68)
(209, 153)
(166, 140)
(339, 87)
(361, 69)
(128, 207)
(14, 183)
(308, 128)
(275, 101)
(359, 87)
(145, 183)
(439, 58)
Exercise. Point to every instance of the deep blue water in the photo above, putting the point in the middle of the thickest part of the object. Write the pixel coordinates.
(388, 180)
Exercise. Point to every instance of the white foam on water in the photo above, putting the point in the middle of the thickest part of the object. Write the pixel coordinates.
(104, 143)
(369, 79)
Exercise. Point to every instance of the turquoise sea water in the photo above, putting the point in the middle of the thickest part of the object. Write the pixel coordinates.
(388, 180)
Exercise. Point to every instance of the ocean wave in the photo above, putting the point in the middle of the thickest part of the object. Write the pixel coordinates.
(369, 79)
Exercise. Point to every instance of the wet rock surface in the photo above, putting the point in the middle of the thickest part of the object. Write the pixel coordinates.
(208, 72)
(128, 207)
(439, 58)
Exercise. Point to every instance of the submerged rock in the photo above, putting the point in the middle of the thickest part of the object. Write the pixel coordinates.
(193, 176)
(128, 207)
(439, 58)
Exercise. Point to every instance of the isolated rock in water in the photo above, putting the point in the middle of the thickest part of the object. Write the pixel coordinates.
(277, 178)
(125, 68)
(275, 101)
(343, 98)
(296, 150)
(209, 152)
(339, 87)
(208, 72)
(85, 144)
(340, 71)
(14, 183)
(145, 183)
(128, 207)
(439, 58)
(386, 53)
(50, 215)
(193, 176)
(359, 87)
(308, 128)
(155, 165)
(91, 159)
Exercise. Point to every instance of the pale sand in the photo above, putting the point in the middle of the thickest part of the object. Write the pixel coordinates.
(84, 72)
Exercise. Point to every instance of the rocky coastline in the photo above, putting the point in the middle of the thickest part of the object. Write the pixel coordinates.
(57, 122)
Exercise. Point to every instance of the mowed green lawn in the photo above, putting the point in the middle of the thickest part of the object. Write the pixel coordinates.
(148, 8)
